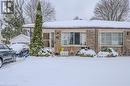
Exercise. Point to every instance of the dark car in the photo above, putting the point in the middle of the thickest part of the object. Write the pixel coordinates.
(6, 54)
(24, 53)
(22, 50)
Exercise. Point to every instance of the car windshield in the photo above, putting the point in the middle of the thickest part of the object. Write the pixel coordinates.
(2, 46)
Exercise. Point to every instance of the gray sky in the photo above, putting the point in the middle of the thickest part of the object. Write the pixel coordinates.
(68, 9)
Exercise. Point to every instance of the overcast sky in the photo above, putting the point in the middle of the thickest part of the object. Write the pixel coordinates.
(68, 9)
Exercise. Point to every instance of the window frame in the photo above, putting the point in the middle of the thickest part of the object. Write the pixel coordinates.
(72, 34)
(111, 42)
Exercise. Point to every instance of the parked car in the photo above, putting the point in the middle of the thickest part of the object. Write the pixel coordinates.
(22, 50)
(108, 52)
(6, 54)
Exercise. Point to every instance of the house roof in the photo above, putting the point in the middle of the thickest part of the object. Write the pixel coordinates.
(20, 38)
(83, 24)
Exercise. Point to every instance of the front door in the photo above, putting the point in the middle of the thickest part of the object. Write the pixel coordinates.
(48, 39)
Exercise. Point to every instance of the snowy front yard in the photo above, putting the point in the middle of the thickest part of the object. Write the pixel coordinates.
(69, 71)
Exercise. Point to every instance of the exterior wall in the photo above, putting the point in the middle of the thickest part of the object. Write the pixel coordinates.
(126, 49)
(92, 40)
(73, 49)
(57, 45)
(92, 37)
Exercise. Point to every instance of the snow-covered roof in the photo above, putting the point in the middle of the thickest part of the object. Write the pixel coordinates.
(83, 24)
(20, 38)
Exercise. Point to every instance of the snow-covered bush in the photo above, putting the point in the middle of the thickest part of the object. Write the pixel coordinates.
(108, 52)
(46, 52)
(87, 53)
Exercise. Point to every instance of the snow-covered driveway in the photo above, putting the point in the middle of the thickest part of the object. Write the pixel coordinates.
(69, 71)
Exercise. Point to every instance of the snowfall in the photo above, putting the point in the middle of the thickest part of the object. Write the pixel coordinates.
(66, 71)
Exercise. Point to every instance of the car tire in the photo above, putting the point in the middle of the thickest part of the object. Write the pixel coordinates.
(1, 63)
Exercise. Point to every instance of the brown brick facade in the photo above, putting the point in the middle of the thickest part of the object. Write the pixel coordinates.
(73, 50)
(57, 45)
(92, 41)
(126, 48)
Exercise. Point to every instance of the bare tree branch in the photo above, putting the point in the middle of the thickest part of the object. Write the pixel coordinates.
(112, 10)
(48, 11)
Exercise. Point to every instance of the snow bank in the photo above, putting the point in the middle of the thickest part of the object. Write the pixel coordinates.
(72, 71)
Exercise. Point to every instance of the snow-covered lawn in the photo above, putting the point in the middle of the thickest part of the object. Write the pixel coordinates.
(67, 71)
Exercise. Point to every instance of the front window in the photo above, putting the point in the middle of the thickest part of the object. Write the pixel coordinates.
(111, 38)
(73, 38)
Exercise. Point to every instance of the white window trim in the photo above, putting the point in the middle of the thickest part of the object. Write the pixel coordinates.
(100, 40)
(74, 39)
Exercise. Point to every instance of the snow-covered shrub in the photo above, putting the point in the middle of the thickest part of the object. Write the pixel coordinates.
(103, 54)
(87, 53)
(45, 52)
(108, 52)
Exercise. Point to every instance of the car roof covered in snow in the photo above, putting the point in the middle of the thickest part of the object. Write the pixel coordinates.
(83, 24)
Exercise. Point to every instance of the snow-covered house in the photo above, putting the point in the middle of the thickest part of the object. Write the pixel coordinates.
(20, 39)
(75, 34)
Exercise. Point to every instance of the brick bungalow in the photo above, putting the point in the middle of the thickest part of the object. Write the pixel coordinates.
(76, 34)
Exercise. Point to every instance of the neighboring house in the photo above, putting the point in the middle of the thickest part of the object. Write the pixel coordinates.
(20, 39)
(76, 34)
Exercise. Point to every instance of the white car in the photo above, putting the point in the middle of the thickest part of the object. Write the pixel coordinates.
(20, 49)
(110, 52)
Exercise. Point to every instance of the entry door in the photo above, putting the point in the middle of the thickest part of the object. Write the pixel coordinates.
(51, 39)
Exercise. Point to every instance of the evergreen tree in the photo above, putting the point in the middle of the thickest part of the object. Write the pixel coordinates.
(7, 33)
(13, 26)
(37, 42)
(13, 22)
